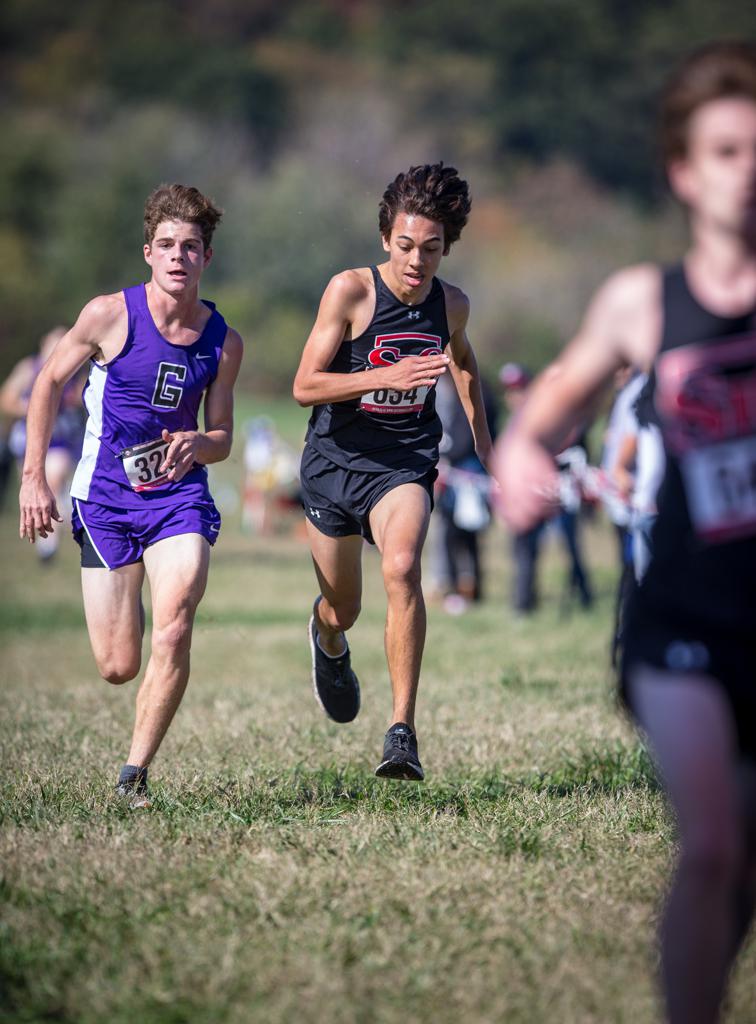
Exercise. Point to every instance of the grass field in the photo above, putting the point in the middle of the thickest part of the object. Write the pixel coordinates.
(275, 879)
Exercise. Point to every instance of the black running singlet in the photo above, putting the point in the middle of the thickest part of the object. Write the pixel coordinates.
(386, 429)
(704, 541)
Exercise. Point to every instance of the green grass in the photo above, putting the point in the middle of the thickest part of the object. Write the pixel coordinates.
(275, 879)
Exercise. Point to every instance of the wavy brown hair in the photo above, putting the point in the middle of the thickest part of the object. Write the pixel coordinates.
(184, 203)
(428, 190)
(715, 72)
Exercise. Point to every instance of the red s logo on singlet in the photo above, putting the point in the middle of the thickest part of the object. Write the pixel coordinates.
(706, 397)
(707, 392)
(385, 401)
(386, 354)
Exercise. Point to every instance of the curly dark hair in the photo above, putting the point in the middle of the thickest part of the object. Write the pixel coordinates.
(716, 71)
(184, 203)
(428, 190)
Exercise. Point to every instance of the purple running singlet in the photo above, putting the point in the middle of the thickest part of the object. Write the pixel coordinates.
(150, 385)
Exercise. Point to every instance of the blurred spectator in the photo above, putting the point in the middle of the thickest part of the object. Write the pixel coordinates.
(271, 476)
(462, 510)
(638, 472)
(628, 383)
(627, 386)
(515, 381)
(68, 431)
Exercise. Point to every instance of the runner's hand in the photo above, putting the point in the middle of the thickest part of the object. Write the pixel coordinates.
(529, 482)
(410, 372)
(182, 453)
(37, 507)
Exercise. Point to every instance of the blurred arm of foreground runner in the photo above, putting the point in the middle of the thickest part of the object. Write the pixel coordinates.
(464, 371)
(621, 327)
(345, 311)
(100, 322)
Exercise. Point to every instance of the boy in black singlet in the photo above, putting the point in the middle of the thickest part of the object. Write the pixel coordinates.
(382, 338)
(689, 664)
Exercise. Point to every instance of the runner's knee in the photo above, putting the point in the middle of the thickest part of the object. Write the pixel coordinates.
(174, 638)
(119, 668)
(401, 569)
(340, 615)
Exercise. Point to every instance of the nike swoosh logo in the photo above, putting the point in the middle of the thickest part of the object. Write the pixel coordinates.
(204, 357)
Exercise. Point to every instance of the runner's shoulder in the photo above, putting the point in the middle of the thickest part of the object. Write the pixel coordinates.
(630, 291)
(624, 316)
(233, 346)
(102, 313)
(350, 287)
(457, 305)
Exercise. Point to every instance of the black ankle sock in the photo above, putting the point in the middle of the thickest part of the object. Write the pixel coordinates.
(133, 774)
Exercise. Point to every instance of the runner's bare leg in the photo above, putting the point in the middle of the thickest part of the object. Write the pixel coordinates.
(399, 522)
(338, 566)
(177, 570)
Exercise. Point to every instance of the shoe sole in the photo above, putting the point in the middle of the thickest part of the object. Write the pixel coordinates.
(313, 676)
(400, 771)
(135, 801)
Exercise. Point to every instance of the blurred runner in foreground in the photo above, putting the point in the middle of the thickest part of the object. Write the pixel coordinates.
(689, 662)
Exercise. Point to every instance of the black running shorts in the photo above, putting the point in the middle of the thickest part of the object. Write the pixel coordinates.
(338, 501)
(685, 647)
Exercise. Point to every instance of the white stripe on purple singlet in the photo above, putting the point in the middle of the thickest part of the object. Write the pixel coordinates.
(93, 399)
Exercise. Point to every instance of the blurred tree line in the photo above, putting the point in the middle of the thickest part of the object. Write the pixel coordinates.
(294, 116)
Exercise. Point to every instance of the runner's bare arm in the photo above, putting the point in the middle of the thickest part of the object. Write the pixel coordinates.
(314, 385)
(464, 371)
(620, 328)
(214, 443)
(101, 318)
(622, 473)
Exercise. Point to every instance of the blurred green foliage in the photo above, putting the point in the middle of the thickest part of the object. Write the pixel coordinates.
(294, 116)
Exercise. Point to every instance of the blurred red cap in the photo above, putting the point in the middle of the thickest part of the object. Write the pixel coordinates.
(514, 375)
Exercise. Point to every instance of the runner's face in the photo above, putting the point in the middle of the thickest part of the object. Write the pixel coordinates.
(177, 256)
(415, 249)
(717, 177)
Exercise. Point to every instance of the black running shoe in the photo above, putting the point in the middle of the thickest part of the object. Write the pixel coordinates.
(334, 683)
(132, 789)
(400, 757)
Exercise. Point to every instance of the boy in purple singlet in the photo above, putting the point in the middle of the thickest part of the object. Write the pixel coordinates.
(140, 497)
(383, 336)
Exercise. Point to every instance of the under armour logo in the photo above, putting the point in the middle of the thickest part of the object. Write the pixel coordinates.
(315, 512)
(687, 656)
(414, 316)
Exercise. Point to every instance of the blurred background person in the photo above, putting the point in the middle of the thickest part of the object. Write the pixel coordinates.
(618, 485)
(462, 508)
(638, 472)
(271, 477)
(67, 435)
(620, 422)
(515, 380)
